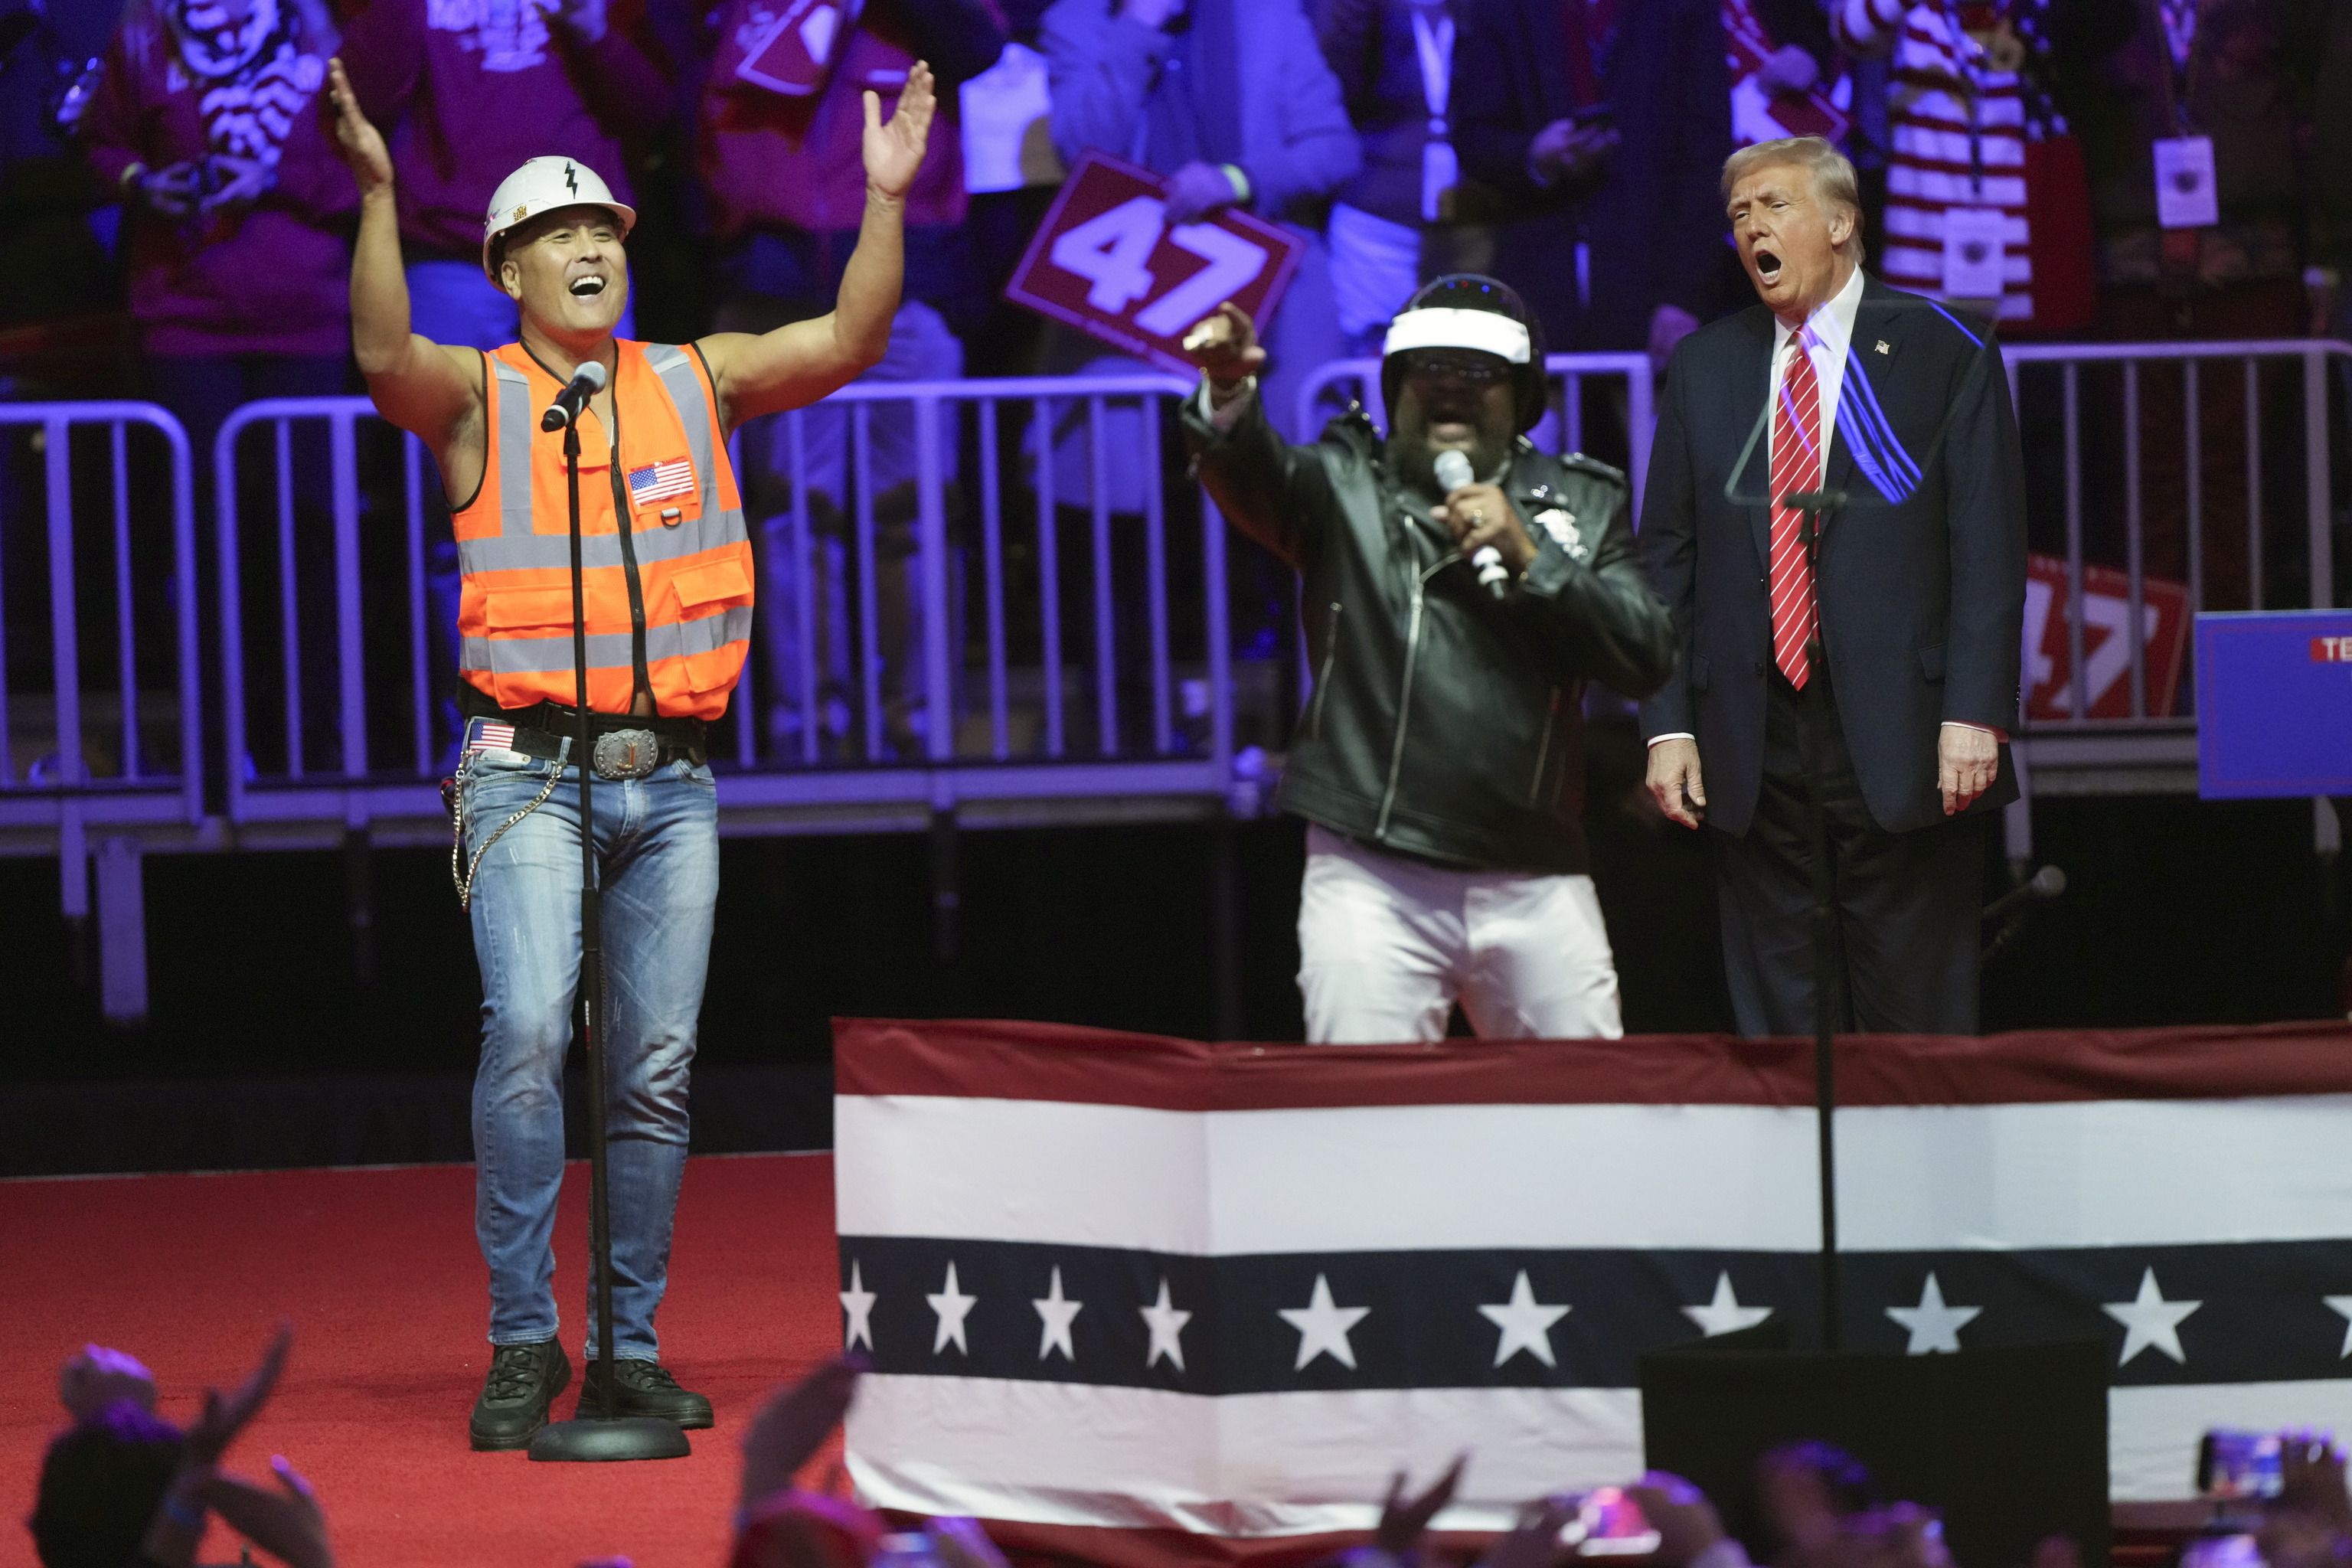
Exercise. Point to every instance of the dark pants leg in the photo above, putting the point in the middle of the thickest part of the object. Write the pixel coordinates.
(1908, 903)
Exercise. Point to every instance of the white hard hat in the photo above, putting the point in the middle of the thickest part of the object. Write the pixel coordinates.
(541, 186)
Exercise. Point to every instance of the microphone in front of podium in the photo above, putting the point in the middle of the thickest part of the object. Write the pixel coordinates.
(586, 382)
(1452, 470)
(2007, 912)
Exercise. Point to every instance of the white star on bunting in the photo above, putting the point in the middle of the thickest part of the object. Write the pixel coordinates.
(1058, 1315)
(1934, 1326)
(1323, 1327)
(2150, 1319)
(1725, 1315)
(858, 1303)
(1167, 1326)
(952, 1306)
(2342, 1305)
(1526, 1324)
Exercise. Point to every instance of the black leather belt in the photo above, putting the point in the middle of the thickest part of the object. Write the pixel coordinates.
(624, 749)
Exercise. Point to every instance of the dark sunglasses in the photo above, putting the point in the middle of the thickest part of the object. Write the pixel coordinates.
(1482, 372)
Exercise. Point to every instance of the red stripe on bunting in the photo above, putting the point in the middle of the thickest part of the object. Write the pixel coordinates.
(993, 1060)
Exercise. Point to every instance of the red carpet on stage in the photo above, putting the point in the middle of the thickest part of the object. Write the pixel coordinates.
(378, 1272)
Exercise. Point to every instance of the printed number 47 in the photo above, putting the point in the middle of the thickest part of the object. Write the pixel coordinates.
(1113, 253)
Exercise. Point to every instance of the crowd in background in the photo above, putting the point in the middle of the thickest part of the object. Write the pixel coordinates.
(1572, 147)
(174, 224)
(123, 1488)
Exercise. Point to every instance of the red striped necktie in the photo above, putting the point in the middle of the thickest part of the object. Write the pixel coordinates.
(1795, 466)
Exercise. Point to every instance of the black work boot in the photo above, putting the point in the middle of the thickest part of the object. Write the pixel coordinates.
(523, 1382)
(644, 1389)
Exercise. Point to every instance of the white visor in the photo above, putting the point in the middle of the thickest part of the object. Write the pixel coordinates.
(1484, 331)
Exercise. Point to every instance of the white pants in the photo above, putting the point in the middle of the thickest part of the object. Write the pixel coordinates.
(1387, 945)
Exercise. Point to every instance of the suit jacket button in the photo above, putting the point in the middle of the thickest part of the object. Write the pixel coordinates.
(1759, 666)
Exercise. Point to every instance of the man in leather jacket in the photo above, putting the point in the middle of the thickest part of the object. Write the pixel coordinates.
(1452, 629)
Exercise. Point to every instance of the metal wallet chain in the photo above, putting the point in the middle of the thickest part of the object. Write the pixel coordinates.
(461, 871)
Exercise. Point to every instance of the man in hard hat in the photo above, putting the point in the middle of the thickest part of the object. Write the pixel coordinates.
(667, 593)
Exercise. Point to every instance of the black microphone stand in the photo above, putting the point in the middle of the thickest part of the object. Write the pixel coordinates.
(584, 1437)
(1812, 505)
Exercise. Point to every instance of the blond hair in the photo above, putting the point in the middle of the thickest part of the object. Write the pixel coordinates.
(1834, 178)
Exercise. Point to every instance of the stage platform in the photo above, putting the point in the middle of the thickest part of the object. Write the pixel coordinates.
(377, 1270)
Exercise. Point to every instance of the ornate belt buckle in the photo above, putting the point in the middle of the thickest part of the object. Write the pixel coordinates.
(626, 753)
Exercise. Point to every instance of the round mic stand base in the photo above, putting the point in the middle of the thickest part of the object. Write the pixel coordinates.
(588, 1439)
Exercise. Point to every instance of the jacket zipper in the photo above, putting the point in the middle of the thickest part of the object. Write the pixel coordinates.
(642, 676)
(1405, 697)
(1543, 751)
(1323, 679)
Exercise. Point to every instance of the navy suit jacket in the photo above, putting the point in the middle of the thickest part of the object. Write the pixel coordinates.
(1922, 572)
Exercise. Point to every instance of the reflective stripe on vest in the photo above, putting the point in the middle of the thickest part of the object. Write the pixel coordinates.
(695, 576)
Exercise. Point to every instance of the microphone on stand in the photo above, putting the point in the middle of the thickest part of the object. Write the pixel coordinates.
(1452, 470)
(586, 382)
(2005, 914)
(2046, 883)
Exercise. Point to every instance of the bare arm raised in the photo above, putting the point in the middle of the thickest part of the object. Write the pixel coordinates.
(798, 363)
(433, 391)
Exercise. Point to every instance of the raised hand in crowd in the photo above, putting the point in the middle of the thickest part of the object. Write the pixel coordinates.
(99, 1377)
(793, 1426)
(1535, 1541)
(1225, 345)
(1687, 1525)
(2310, 1479)
(227, 1414)
(2309, 1523)
(1405, 1520)
(179, 1519)
(284, 1520)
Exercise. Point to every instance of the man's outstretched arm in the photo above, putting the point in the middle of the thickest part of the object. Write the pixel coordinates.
(418, 385)
(800, 363)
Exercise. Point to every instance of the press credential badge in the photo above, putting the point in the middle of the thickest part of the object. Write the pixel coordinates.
(1973, 238)
(2185, 193)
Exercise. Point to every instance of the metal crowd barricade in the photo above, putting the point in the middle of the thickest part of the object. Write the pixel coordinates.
(2192, 360)
(301, 753)
(1128, 754)
(354, 764)
(76, 789)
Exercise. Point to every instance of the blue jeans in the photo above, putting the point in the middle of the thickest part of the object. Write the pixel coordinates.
(657, 847)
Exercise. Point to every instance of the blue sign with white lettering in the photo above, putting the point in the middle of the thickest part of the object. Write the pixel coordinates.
(2275, 704)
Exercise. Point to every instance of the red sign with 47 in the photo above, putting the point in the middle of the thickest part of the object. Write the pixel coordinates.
(1106, 261)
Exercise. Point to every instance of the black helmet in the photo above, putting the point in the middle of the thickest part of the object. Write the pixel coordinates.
(1468, 291)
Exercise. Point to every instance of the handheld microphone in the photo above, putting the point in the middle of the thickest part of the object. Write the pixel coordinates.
(1452, 470)
(586, 382)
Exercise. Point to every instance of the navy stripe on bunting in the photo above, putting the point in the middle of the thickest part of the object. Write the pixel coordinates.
(2187, 1314)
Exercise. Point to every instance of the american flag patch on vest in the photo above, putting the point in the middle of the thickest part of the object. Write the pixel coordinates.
(491, 737)
(659, 481)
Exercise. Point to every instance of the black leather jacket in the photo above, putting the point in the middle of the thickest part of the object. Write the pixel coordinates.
(1443, 724)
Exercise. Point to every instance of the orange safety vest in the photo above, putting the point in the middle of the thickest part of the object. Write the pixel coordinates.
(683, 559)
